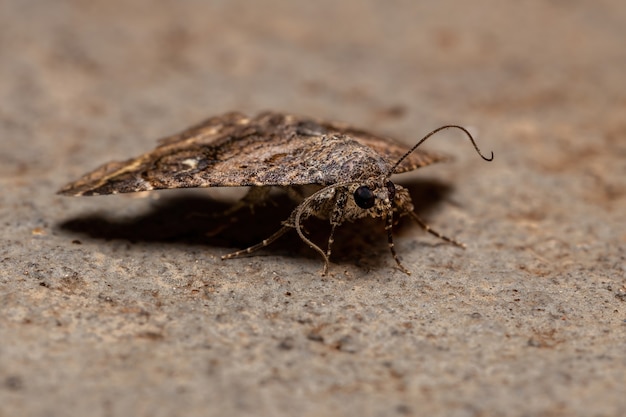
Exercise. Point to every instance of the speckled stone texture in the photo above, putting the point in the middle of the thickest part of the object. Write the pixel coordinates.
(121, 306)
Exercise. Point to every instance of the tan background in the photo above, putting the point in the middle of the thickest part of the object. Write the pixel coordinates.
(119, 306)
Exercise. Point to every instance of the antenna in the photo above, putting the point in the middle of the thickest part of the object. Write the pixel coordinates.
(469, 135)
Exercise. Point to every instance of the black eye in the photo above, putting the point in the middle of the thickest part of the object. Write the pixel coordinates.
(364, 197)
(391, 190)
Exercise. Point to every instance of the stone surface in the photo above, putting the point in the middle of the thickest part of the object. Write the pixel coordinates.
(119, 305)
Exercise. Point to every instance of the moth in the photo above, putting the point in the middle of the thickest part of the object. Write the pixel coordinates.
(332, 170)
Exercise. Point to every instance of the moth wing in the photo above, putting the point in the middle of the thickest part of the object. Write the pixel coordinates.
(228, 150)
(390, 149)
(233, 150)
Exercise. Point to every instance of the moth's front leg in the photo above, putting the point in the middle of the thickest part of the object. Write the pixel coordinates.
(404, 206)
(337, 217)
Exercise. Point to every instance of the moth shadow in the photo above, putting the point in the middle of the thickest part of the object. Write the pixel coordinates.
(190, 219)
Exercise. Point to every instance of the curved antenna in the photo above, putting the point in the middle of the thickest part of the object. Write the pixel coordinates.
(469, 135)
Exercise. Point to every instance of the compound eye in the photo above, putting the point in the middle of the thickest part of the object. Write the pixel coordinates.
(364, 197)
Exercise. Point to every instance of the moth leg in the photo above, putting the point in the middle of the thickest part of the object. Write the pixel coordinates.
(260, 245)
(336, 218)
(388, 228)
(254, 197)
(296, 193)
(331, 240)
(427, 228)
(299, 193)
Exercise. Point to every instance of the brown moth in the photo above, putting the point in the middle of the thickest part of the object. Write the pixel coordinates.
(349, 170)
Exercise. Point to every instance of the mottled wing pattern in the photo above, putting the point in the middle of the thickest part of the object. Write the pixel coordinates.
(233, 150)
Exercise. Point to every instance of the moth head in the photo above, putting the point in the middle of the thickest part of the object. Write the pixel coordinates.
(378, 196)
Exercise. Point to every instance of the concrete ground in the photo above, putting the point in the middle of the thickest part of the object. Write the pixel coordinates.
(120, 305)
